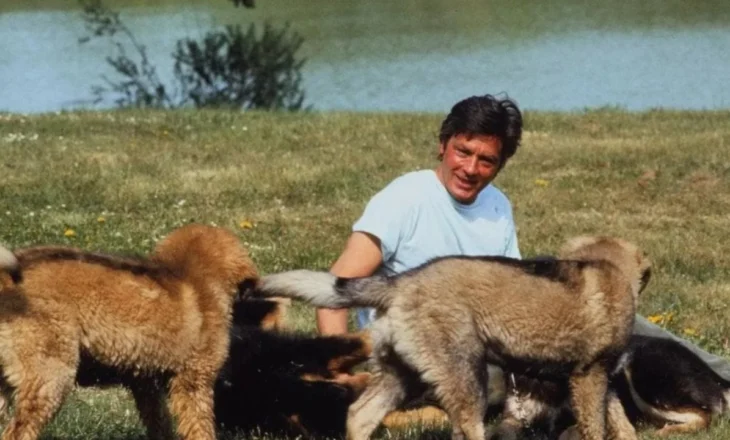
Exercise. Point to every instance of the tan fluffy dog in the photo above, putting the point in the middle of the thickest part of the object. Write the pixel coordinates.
(439, 324)
(158, 325)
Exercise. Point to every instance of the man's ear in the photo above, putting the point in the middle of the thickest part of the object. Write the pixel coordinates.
(442, 150)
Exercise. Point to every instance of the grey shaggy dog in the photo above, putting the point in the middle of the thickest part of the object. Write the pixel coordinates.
(439, 324)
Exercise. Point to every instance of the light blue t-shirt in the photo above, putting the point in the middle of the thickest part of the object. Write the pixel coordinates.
(416, 220)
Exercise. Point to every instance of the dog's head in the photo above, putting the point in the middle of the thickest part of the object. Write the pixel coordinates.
(626, 256)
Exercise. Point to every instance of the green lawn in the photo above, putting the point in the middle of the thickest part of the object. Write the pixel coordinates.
(291, 185)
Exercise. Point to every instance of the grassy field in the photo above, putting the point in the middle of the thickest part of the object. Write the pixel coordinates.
(292, 185)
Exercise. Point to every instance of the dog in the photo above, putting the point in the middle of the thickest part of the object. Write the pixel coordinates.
(662, 383)
(158, 325)
(280, 381)
(439, 324)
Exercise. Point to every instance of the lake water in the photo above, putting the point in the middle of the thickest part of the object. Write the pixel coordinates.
(383, 55)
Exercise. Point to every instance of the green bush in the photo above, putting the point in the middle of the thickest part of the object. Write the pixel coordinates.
(232, 68)
(228, 68)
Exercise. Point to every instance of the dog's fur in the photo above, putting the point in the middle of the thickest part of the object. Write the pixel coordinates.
(280, 381)
(440, 323)
(663, 383)
(156, 325)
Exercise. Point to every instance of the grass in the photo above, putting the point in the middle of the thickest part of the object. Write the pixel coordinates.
(291, 185)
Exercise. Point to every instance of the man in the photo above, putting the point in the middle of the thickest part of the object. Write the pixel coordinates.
(451, 210)
(448, 211)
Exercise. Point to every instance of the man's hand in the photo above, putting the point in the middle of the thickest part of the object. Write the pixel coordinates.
(360, 258)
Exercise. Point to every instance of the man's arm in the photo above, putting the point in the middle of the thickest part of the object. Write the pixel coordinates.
(361, 257)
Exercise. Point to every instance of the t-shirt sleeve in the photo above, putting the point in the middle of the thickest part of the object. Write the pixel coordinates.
(387, 216)
(512, 249)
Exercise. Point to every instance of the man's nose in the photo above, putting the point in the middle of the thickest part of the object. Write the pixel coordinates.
(471, 165)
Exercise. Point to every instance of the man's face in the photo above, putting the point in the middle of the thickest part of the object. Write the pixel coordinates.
(469, 163)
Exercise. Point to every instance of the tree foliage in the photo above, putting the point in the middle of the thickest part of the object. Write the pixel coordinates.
(229, 68)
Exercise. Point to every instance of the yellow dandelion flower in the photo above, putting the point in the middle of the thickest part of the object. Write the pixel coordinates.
(690, 331)
(542, 182)
(655, 318)
(246, 224)
(101, 219)
(69, 233)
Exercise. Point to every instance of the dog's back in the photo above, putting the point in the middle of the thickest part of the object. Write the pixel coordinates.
(138, 306)
(113, 302)
(506, 299)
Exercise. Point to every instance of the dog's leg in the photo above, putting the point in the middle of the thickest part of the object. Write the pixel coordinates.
(150, 400)
(464, 400)
(44, 385)
(619, 427)
(687, 422)
(191, 402)
(384, 393)
(588, 400)
(461, 389)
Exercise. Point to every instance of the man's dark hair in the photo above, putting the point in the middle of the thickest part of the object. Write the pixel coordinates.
(485, 115)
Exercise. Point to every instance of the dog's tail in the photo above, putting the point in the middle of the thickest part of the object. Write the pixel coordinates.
(323, 289)
(9, 264)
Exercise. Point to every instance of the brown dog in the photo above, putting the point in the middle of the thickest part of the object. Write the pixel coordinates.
(439, 324)
(156, 325)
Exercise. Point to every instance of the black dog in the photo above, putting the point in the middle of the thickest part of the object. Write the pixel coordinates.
(285, 382)
(662, 383)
